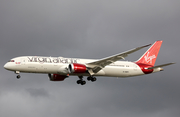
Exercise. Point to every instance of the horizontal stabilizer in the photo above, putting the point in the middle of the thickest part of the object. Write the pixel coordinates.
(160, 66)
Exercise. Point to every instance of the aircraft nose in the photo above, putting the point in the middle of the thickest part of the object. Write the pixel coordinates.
(6, 66)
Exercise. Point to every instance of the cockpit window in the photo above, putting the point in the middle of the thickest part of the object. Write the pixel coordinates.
(11, 61)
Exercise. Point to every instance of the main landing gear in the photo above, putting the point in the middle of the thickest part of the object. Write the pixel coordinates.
(18, 76)
(91, 78)
(82, 82)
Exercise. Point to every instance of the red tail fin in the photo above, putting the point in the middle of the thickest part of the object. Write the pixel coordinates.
(151, 54)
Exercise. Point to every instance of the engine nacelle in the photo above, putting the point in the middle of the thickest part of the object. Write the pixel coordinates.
(56, 77)
(77, 68)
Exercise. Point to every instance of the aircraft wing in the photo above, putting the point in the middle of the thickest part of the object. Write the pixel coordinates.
(96, 66)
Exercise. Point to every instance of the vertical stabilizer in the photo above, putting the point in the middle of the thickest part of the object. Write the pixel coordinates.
(151, 54)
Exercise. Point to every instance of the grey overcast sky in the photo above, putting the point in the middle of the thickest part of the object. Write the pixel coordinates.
(89, 29)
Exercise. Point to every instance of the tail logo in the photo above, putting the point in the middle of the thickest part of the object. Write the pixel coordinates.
(149, 58)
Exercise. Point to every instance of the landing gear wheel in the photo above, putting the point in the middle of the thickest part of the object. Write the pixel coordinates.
(93, 79)
(18, 76)
(79, 81)
(89, 78)
(83, 82)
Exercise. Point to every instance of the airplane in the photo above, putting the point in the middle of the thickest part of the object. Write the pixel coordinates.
(60, 68)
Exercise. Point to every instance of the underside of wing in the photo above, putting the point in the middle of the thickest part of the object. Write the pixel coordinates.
(96, 66)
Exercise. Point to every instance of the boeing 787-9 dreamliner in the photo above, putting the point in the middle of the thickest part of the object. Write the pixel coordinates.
(59, 68)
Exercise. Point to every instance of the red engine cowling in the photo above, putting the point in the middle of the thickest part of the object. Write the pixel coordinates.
(77, 68)
(56, 77)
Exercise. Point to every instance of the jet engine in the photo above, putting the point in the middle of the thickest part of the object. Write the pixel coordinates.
(77, 68)
(56, 77)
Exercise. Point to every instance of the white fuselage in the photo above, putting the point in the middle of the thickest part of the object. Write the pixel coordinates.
(59, 68)
(59, 65)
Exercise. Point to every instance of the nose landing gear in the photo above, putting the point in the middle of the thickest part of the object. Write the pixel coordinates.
(18, 76)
